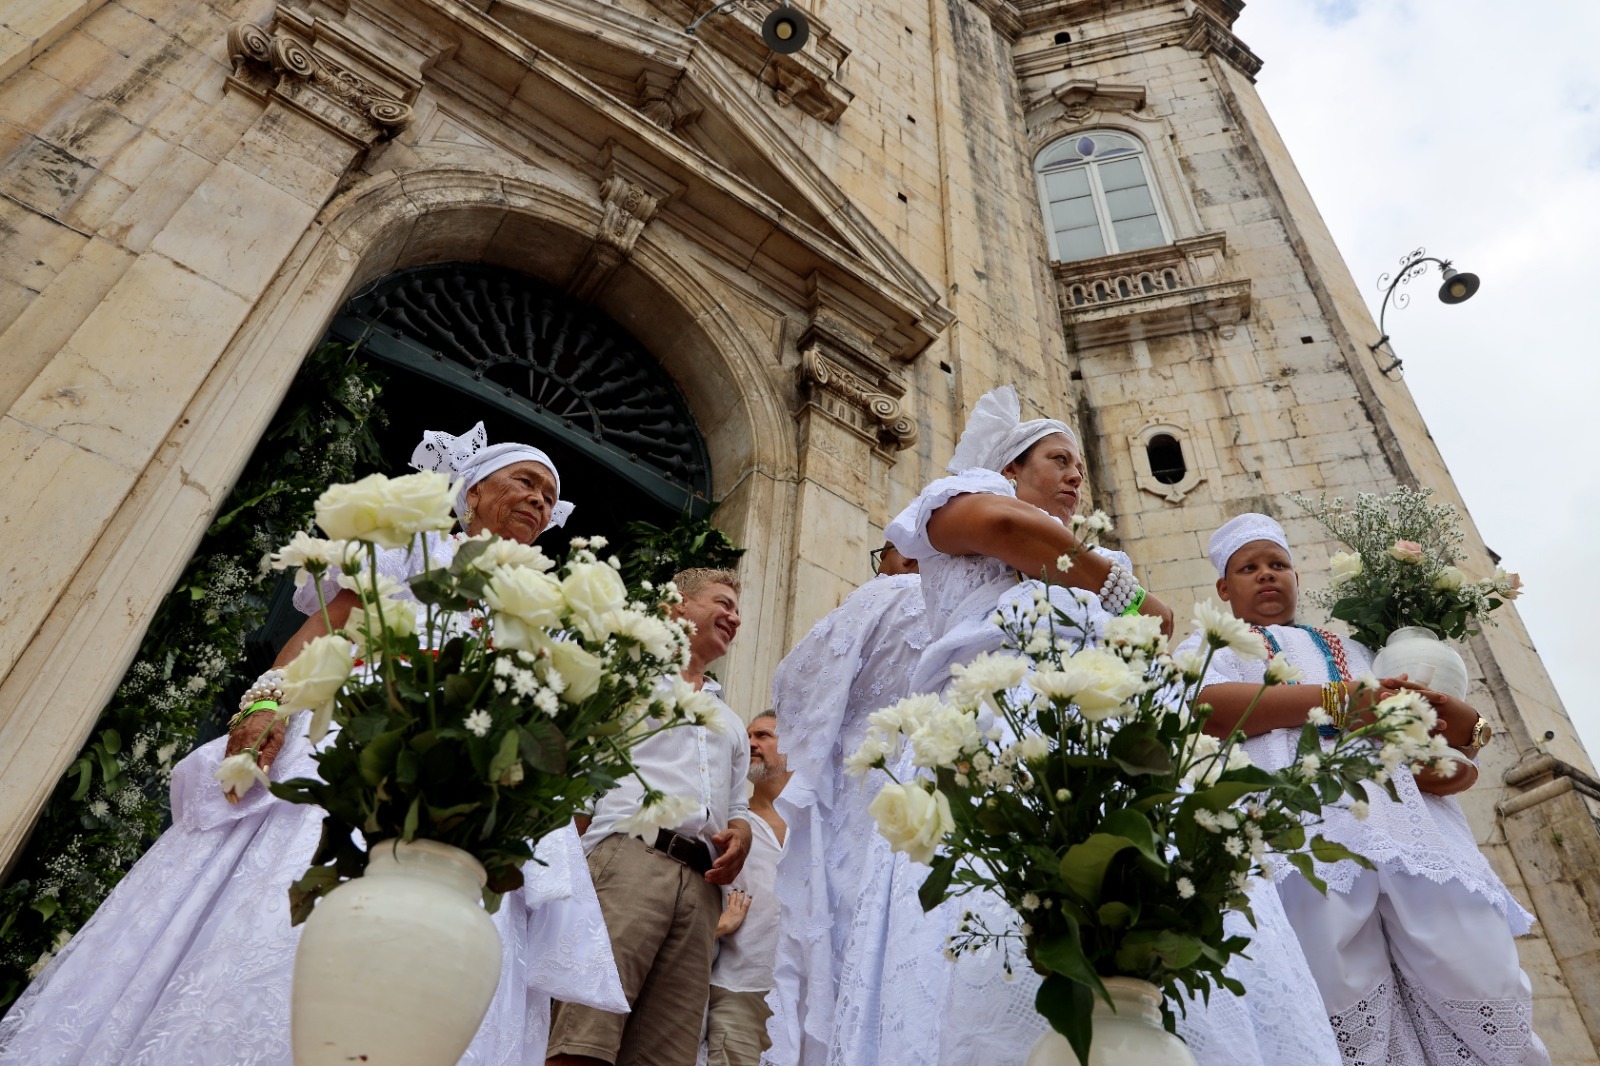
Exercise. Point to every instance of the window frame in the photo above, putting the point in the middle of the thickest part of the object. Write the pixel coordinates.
(1097, 196)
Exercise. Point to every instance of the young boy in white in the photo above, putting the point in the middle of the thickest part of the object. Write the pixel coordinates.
(1415, 959)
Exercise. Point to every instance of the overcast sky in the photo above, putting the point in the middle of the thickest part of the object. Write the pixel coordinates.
(1472, 128)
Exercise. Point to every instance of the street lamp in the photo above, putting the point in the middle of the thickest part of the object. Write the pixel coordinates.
(1457, 288)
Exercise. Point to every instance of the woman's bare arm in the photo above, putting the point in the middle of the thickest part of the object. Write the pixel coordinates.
(1026, 539)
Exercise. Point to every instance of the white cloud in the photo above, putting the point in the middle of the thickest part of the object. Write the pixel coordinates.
(1473, 130)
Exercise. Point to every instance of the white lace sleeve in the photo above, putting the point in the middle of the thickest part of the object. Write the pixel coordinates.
(909, 531)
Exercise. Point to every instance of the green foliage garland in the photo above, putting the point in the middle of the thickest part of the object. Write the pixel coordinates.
(654, 553)
(113, 801)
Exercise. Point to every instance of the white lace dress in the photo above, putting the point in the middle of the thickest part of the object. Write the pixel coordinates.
(1426, 853)
(834, 879)
(190, 958)
(970, 1012)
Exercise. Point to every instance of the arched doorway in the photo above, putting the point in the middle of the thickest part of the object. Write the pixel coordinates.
(462, 342)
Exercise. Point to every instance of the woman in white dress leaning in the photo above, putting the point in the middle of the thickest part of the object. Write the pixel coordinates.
(980, 537)
(190, 959)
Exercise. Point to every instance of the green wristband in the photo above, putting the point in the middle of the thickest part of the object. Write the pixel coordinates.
(1135, 603)
(255, 708)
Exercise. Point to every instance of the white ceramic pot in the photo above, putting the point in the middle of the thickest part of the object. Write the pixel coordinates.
(1425, 659)
(397, 967)
(1132, 1036)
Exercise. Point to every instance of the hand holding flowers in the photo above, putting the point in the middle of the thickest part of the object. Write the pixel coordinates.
(1078, 783)
(485, 710)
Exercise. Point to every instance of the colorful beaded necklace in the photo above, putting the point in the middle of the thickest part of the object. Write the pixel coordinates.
(1328, 644)
(1332, 650)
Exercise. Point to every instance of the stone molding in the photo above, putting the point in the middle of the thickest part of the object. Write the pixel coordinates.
(1543, 778)
(324, 74)
(660, 102)
(1003, 16)
(1084, 100)
(1202, 31)
(807, 80)
(856, 402)
(631, 195)
(1154, 292)
(1194, 463)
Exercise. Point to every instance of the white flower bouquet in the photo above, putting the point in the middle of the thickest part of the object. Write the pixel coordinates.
(1078, 784)
(483, 716)
(1401, 570)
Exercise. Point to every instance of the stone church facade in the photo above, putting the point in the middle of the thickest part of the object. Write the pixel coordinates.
(831, 254)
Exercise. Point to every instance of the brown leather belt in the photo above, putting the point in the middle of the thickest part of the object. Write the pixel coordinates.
(691, 851)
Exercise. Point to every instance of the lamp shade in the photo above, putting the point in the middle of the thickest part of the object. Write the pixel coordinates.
(1457, 286)
(785, 30)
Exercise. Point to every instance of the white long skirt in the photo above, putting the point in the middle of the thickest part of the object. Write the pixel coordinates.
(190, 959)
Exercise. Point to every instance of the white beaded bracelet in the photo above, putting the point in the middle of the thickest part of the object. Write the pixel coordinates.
(1118, 591)
(269, 686)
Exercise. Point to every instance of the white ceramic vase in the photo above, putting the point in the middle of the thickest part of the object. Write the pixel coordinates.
(396, 968)
(1132, 1036)
(1423, 658)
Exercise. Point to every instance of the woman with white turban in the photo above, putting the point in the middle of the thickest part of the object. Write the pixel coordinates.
(190, 958)
(980, 538)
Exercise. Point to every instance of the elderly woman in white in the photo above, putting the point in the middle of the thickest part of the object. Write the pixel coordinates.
(190, 959)
(982, 537)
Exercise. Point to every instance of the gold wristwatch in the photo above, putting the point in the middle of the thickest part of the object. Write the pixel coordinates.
(1481, 732)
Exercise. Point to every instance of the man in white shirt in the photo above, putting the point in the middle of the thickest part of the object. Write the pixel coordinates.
(660, 897)
(736, 1026)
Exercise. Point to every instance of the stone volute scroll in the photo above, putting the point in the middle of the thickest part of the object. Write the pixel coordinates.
(842, 376)
(324, 73)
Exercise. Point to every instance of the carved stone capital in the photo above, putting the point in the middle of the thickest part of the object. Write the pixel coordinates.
(1082, 99)
(632, 193)
(316, 71)
(859, 403)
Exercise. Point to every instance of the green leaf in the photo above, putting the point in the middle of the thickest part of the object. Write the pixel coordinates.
(937, 883)
(1138, 750)
(1069, 1007)
(1144, 952)
(1084, 865)
(409, 831)
(1325, 850)
(543, 746)
(1302, 862)
(1135, 827)
(377, 759)
(1116, 914)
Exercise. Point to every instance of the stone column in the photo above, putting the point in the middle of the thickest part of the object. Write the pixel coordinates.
(311, 101)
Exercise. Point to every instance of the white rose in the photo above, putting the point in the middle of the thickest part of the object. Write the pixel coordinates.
(385, 511)
(399, 620)
(581, 669)
(989, 673)
(595, 593)
(1346, 566)
(1449, 578)
(314, 677)
(369, 586)
(238, 774)
(527, 603)
(1096, 681)
(1031, 748)
(912, 819)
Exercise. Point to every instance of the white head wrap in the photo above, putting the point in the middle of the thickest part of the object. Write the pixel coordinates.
(1237, 532)
(996, 433)
(469, 459)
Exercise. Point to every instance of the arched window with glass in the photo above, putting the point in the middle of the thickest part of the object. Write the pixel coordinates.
(1097, 196)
